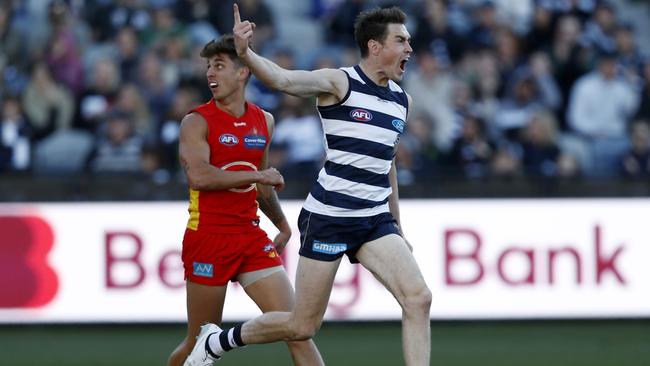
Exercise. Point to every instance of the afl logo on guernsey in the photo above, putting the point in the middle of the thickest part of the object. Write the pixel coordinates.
(399, 125)
(228, 139)
(361, 115)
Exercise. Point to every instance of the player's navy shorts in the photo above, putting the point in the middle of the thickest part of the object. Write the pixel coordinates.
(327, 238)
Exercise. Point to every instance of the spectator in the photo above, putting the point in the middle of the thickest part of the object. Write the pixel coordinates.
(340, 23)
(581, 9)
(431, 87)
(519, 105)
(118, 149)
(298, 132)
(517, 14)
(549, 91)
(63, 48)
(194, 75)
(542, 156)
(107, 18)
(509, 56)
(168, 129)
(477, 93)
(599, 109)
(13, 49)
(156, 87)
(568, 60)
(14, 137)
(486, 26)
(49, 106)
(129, 99)
(629, 56)
(255, 11)
(419, 153)
(540, 35)
(127, 49)
(506, 161)
(472, 152)
(600, 30)
(635, 163)
(434, 33)
(644, 105)
(164, 26)
(98, 95)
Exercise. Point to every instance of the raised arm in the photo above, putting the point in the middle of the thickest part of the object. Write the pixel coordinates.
(321, 83)
(194, 152)
(268, 201)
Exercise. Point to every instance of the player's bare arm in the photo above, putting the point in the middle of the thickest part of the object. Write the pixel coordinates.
(329, 85)
(267, 198)
(194, 152)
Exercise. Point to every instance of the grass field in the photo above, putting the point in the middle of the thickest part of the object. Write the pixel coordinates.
(532, 343)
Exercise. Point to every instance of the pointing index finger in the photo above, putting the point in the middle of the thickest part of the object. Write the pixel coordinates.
(236, 11)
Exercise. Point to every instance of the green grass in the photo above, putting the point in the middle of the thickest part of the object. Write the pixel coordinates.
(539, 343)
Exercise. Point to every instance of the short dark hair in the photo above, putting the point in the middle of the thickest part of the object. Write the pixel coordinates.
(222, 45)
(373, 24)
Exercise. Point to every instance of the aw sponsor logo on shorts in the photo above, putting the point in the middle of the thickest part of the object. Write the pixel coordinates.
(255, 142)
(360, 115)
(328, 248)
(228, 139)
(203, 269)
(399, 125)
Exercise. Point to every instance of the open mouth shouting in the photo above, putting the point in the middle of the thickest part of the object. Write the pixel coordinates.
(402, 64)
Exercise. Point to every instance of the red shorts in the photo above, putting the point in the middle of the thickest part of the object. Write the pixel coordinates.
(214, 259)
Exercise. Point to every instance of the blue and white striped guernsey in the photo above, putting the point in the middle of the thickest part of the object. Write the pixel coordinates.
(361, 133)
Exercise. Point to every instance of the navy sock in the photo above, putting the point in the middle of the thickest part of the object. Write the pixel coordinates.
(236, 335)
(231, 338)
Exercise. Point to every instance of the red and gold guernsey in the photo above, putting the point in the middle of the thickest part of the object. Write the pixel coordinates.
(236, 144)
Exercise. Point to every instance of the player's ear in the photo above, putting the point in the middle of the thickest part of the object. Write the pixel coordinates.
(244, 73)
(373, 47)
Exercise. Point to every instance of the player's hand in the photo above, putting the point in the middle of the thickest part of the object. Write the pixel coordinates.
(243, 32)
(272, 177)
(281, 240)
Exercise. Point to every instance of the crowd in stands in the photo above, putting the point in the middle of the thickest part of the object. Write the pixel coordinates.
(501, 88)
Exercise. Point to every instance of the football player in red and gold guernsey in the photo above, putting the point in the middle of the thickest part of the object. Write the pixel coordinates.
(223, 149)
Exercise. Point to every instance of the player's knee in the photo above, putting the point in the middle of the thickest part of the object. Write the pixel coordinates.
(418, 301)
(302, 331)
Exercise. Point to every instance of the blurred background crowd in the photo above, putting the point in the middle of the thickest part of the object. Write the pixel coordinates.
(534, 89)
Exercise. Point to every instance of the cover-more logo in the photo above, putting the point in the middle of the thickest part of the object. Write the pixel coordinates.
(255, 142)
